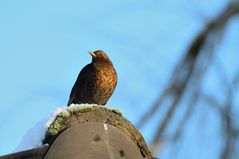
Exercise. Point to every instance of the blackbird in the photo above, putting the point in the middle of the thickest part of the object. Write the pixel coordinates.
(96, 82)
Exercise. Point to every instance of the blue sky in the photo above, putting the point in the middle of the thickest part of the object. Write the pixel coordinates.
(44, 45)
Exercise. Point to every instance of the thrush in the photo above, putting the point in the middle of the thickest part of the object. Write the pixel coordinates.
(96, 82)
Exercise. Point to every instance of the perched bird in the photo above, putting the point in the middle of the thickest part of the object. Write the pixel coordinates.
(96, 82)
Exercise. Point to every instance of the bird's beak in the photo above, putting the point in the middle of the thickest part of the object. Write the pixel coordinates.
(92, 53)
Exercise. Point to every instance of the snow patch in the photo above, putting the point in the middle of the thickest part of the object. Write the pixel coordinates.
(105, 127)
(35, 136)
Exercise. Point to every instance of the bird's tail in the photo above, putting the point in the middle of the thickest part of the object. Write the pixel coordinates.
(69, 102)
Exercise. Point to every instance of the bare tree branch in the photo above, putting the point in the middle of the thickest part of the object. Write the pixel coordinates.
(187, 72)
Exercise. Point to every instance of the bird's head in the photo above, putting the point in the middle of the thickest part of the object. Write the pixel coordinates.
(99, 56)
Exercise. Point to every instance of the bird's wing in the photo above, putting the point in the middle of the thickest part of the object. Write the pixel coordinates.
(82, 78)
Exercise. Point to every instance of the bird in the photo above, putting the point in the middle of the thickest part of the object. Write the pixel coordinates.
(96, 82)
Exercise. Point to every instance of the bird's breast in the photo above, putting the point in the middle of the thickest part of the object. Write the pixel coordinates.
(106, 77)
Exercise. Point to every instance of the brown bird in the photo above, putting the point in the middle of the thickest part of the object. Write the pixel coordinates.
(96, 82)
